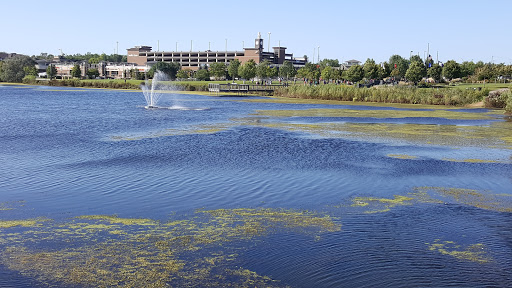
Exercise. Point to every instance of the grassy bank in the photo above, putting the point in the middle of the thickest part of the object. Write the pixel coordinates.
(122, 84)
(403, 95)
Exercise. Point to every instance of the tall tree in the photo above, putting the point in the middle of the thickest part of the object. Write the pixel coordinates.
(203, 75)
(371, 70)
(182, 74)
(354, 73)
(263, 69)
(329, 63)
(76, 72)
(415, 58)
(435, 72)
(233, 68)
(169, 68)
(247, 70)
(451, 70)
(287, 70)
(93, 73)
(51, 71)
(218, 70)
(13, 68)
(399, 64)
(386, 67)
(415, 72)
(310, 71)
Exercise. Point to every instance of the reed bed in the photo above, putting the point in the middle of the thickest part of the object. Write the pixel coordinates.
(404, 95)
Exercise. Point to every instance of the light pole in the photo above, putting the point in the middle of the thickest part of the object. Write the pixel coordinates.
(268, 49)
(410, 55)
(318, 59)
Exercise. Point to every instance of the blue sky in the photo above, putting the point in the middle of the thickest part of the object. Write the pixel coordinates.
(459, 30)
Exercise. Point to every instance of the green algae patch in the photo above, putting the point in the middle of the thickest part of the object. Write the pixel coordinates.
(116, 220)
(265, 217)
(107, 251)
(378, 205)
(437, 195)
(446, 135)
(474, 253)
(402, 156)
(435, 113)
(470, 160)
(479, 199)
(286, 100)
(22, 223)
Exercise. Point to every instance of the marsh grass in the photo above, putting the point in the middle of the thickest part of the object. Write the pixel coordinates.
(404, 95)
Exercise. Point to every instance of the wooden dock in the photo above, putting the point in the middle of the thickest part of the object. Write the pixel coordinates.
(243, 89)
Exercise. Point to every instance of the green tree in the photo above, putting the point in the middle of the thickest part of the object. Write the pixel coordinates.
(93, 73)
(386, 70)
(233, 68)
(330, 73)
(203, 74)
(415, 72)
(51, 71)
(169, 68)
(415, 58)
(354, 73)
(218, 70)
(309, 71)
(451, 70)
(435, 72)
(13, 68)
(76, 72)
(371, 70)
(247, 70)
(30, 71)
(263, 70)
(329, 63)
(399, 64)
(485, 72)
(182, 74)
(287, 70)
(382, 72)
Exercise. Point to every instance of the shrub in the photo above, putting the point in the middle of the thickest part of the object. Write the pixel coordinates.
(508, 107)
(29, 79)
(497, 99)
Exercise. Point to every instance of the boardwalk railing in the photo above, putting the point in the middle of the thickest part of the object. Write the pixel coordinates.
(242, 88)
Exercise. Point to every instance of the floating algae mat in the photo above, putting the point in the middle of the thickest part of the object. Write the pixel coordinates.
(437, 113)
(105, 250)
(438, 195)
(473, 253)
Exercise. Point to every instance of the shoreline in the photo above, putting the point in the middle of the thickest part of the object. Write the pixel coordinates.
(281, 97)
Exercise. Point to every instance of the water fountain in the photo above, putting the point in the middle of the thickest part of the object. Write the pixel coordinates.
(153, 91)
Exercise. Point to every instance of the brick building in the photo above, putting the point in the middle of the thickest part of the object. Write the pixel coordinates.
(143, 55)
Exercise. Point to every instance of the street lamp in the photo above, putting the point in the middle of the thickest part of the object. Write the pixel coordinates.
(318, 59)
(268, 49)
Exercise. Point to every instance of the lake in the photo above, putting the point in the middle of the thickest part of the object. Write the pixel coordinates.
(96, 190)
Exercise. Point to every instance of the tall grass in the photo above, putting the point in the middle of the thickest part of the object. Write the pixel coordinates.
(405, 95)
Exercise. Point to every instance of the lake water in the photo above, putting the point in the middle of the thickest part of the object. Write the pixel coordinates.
(96, 190)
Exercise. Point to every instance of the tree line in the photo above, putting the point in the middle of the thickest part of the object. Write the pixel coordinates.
(414, 69)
